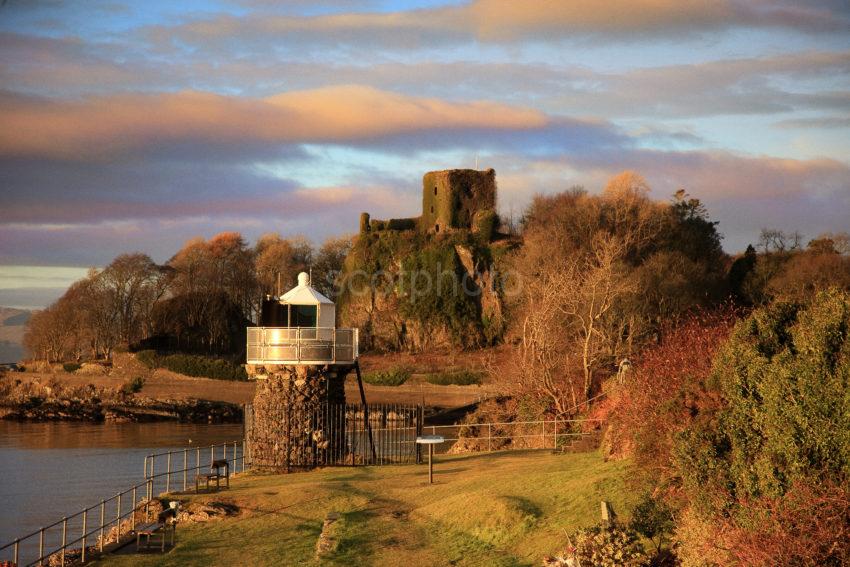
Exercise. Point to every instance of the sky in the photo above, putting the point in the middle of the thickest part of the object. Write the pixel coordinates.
(135, 126)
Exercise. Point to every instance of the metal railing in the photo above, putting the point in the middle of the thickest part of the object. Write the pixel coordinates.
(301, 345)
(539, 434)
(69, 537)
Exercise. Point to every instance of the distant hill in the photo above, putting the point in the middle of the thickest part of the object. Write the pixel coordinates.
(12, 326)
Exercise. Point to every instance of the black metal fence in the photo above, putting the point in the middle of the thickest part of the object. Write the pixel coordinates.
(335, 434)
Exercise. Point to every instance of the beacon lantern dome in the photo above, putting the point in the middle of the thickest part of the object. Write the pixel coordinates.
(300, 328)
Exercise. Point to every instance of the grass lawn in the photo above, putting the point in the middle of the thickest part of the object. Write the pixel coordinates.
(507, 508)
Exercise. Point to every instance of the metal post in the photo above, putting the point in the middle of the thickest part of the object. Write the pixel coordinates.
(197, 460)
(543, 435)
(212, 455)
(185, 467)
(430, 463)
(118, 519)
(168, 474)
(40, 547)
(146, 468)
(15, 552)
(102, 520)
(64, 537)
(489, 437)
(133, 515)
(85, 524)
(224, 451)
(153, 463)
(234, 457)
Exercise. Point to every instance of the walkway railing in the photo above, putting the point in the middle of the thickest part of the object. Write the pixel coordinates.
(301, 345)
(490, 436)
(75, 537)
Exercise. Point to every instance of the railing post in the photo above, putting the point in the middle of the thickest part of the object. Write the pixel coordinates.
(168, 474)
(85, 524)
(15, 552)
(102, 520)
(118, 519)
(224, 451)
(234, 457)
(133, 515)
(543, 435)
(489, 437)
(185, 467)
(212, 455)
(64, 537)
(40, 547)
(153, 472)
(146, 468)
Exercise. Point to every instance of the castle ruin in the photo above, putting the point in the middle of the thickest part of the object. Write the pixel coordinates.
(452, 199)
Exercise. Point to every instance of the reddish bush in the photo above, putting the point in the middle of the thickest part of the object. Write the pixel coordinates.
(665, 390)
(809, 525)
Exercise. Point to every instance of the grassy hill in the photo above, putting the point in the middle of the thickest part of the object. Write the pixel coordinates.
(507, 508)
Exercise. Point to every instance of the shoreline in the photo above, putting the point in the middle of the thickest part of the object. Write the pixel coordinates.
(144, 410)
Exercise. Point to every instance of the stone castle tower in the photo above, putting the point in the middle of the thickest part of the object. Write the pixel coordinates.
(452, 199)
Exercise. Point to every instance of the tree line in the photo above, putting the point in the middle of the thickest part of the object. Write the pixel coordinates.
(200, 300)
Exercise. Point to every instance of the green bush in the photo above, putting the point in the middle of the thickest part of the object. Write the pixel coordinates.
(783, 378)
(394, 377)
(71, 367)
(203, 367)
(134, 385)
(148, 358)
(462, 378)
(653, 519)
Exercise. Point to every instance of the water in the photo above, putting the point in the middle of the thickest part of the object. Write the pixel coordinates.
(48, 470)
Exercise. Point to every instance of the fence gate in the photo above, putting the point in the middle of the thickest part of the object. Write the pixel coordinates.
(333, 434)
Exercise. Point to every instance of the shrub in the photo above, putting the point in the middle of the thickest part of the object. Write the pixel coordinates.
(665, 390)
(785, 424)
(484, 223)
(148, 358)
(462, 378)
(203, 367)
(133, 385)
(653, 519)
(394, 377)
(71, 367)
(606, 546)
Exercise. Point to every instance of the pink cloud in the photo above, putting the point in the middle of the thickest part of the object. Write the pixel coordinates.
(104, 126)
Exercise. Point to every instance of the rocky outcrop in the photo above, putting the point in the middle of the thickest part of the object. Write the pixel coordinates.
(52, 401)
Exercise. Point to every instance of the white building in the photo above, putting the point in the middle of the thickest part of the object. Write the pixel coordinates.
(300, 328)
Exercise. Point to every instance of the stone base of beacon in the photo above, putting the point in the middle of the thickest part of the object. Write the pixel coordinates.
(298, 417)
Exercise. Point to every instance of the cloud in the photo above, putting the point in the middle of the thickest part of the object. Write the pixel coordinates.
(100, 127)
(503, 22)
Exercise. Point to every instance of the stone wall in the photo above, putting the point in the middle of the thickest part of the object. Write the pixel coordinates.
(290, 426)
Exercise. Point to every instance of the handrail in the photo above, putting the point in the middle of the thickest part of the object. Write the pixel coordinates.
(120, 513)
(340, 343)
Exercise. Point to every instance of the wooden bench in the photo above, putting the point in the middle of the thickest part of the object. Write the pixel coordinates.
(166, 523)
(215, 474)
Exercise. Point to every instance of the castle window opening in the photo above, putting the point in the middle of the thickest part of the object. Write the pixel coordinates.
(435, 190)
(432, 209)
(437, 227)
